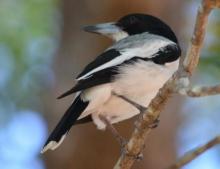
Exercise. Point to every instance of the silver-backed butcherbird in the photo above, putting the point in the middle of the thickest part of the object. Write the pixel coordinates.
(144, 55)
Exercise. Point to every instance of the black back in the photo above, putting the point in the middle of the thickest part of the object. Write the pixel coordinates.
(139, 23)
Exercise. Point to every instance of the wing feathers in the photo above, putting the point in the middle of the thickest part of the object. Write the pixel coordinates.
(98, 78)
(67, 93)
(101, 62)
(165, 55)
(142, 45)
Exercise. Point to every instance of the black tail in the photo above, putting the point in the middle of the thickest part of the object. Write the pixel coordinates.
(64, 125)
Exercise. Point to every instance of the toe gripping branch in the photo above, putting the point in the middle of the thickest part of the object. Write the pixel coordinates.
(122, 141)
(141, 108)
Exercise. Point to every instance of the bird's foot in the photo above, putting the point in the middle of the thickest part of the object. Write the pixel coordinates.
(138, 156)
(155, 124)
(121, 140)
(141, 108)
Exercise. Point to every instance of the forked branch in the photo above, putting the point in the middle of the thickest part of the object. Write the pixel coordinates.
(187, 66)
(201, 91)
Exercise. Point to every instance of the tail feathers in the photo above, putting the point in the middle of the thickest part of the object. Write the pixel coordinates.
(69, 118)
(69, 92)
(52, 145)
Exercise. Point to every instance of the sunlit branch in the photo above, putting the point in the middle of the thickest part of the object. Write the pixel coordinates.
(187, 66)
(191, 155)
(201, 91)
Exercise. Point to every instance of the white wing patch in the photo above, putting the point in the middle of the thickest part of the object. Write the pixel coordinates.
(143, 45)
(118, 60)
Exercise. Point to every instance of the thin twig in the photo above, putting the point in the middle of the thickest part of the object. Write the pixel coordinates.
(199, 91)
(114, 131)
(142, 129)
(193, 52)
(191, 155)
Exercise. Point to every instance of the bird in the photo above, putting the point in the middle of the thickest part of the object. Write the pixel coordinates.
(144, 55)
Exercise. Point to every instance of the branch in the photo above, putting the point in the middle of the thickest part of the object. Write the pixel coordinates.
(192, 58)
(191, 155)
(199, 91)
(177, 81)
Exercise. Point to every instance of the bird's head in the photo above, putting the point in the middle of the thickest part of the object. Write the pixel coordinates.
(133, 24)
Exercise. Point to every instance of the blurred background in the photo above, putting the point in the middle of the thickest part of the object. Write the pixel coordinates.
(42, 49)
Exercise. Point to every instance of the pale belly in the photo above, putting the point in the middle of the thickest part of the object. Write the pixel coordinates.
(139, 82)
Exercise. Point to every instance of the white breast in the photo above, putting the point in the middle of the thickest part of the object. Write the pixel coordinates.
(142, 78)
(139, 82)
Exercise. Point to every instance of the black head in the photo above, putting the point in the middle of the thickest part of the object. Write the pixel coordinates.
(133, 24)
(139, 23)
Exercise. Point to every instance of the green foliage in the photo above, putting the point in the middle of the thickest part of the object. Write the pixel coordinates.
(210, 65)
(210, 60)
(28, 38)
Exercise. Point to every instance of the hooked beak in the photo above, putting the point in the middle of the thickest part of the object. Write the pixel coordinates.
(103, 28)
(110, 30)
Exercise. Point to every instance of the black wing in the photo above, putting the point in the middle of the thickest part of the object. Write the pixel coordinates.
(98, 78)
(102, 59)
(165, 55)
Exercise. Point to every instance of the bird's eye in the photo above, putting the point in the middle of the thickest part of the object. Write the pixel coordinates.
(127, 21)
